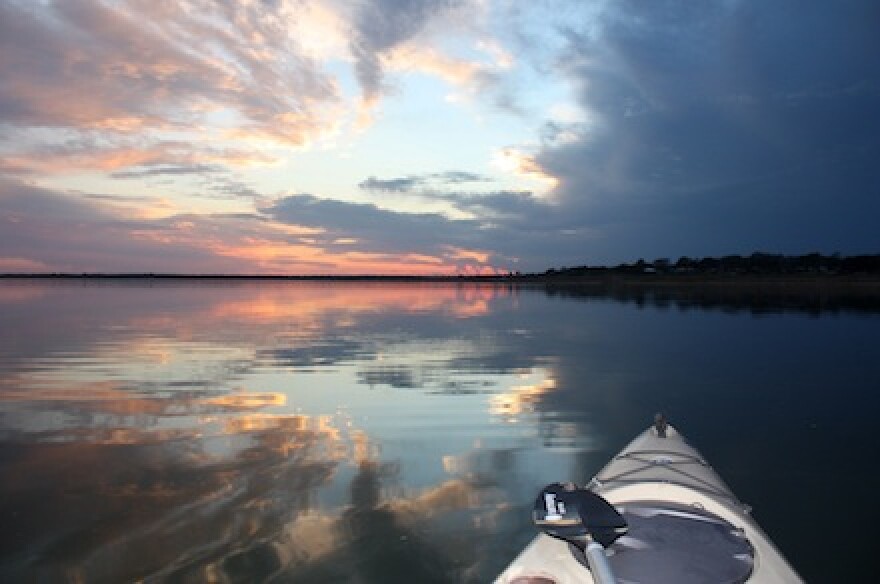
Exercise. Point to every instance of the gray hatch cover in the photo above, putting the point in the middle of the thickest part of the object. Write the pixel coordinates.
(678, 544)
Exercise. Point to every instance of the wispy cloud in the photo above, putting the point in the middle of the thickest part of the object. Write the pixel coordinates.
(423, 181)
(173, 170)
(140, 70)
(92, 153)
(126, 66)
(391, 185)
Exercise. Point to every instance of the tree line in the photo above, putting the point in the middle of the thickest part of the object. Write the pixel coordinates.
(758, 263)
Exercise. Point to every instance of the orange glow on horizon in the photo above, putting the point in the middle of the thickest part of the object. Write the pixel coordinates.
(272, 257)
(21, 265)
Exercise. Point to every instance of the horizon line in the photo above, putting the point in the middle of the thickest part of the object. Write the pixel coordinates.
(254, 276)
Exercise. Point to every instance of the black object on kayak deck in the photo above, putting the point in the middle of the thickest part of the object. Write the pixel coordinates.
(577, 515)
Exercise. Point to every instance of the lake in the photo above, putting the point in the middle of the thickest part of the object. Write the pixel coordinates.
(240, 431)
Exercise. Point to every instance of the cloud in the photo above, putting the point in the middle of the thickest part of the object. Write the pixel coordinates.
(381, 25)
(94, 153)
(523, 166)
(134, 75)
(70, 233)
(412, 182)
(413, 36)
(390, 185)
(385, 230)
(414, 56)
(518, 209)
(432, 236)
(666, 128)
(137, 71)
(458, 176)
(699, 129)
(45, 230)
(519, 229)
(173, 170)
(720, 127)
(215, 180)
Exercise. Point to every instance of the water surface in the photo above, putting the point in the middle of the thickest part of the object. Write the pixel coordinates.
(379, 432)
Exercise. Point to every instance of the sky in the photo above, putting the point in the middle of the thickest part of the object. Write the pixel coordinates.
(433, 137)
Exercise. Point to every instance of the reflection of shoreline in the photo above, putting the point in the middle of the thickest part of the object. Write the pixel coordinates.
(754, 294)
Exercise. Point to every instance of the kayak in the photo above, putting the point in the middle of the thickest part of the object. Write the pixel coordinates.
(678, 523)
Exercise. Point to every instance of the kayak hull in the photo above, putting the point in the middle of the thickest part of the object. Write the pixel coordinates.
(702, 526)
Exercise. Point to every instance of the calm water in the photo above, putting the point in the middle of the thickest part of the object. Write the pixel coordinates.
(317, 432)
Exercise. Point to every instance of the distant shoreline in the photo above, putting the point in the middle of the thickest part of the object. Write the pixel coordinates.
(148, 276)
(612, 279)
(758, 268)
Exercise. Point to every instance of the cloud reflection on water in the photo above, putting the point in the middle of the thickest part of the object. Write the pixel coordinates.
(317, 432)
(143, 502)
(219, 433)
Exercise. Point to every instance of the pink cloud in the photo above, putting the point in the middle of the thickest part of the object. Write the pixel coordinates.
(123, 154)
(144, 69)
(47, 231)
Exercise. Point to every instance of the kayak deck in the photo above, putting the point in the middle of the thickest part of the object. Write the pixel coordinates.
(686, 525)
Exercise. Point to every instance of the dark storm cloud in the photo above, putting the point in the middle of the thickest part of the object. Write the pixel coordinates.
(721, 127)
(713, 128)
